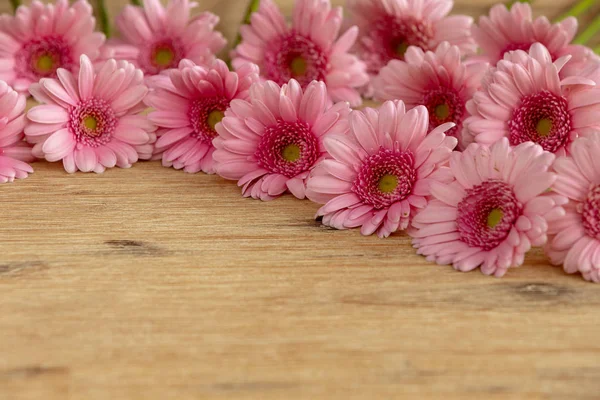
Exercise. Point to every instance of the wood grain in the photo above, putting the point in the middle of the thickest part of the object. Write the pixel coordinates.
(149, 283)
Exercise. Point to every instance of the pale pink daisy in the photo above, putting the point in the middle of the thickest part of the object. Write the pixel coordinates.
(271, 142)
(492, 212)
(308, 50)
(389, 27)
(524, 99)
(14, 152)
(380, 172)
(506, 30)
(189, 106)
(92, 121)
(155, 38)
(41, 38)
(575, 236)
(438, 80)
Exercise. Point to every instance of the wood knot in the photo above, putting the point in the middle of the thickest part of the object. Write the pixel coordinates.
(541, 290)
(134, 247)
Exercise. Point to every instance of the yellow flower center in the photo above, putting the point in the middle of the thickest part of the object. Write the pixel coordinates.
(90, 122)
(544, 126)
(291, 153)
(163, 57)
(298, 66)
(494, 218)
(388, 183)
(45, 63)
(214, 117)
(401, 48)
(442, 111)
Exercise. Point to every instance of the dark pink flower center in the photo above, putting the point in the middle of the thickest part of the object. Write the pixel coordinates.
(487, 213)
(92, 122)
(444, 105)
(390, 37)
(591, 213)
(204, 115)
(295, 57)
(161, 55)
(542, 118)
(288, 148)
(385, 178)
(40, 58)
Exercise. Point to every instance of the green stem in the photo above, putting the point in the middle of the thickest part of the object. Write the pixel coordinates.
(578, 9)
(135, 2)
(252, 8)
(589, 32)
(510, 3)
(15, 4)
(103, 17)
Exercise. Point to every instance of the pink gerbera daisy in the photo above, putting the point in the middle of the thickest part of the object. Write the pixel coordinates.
(155, 38)
(492, 212)
(575, 236)
(438, 80)
(14, 153)
(380, 172)
(271, 142)
(515, 29)
(389, 27)
(525, 100)
(189, 106)
(44, 37)
(91, 122)
(309, 50)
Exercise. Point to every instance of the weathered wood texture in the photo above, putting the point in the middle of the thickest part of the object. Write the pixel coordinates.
(150, 283)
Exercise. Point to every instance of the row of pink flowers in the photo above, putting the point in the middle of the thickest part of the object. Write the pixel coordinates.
(317, 45)
(477, 158)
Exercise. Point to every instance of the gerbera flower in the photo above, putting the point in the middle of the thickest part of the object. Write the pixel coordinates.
(389, 27)
(44, 37)
(438, 80)
(507, 30)
(189, 106)
(575, 236)
(271, 142)
(155, 38)
(525, 100)
(14, 153)
(91, 122)
(492, 212)
(309, 50)
(380, 172)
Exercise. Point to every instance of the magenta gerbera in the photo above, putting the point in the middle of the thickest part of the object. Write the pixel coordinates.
(156, 38)
(92, 121)
(44, 37)
(524, 99)
(493, 210)
(379, 173)
(309, 50)
(438, 80)
(575, 236)
(515, 29)
(389, 27)
(14, 152)
(189, 105)
(271, 142)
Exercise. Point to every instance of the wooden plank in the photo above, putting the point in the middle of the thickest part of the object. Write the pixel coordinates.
(150, 283)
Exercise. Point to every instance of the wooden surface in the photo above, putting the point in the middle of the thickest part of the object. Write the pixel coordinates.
(149, 283)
